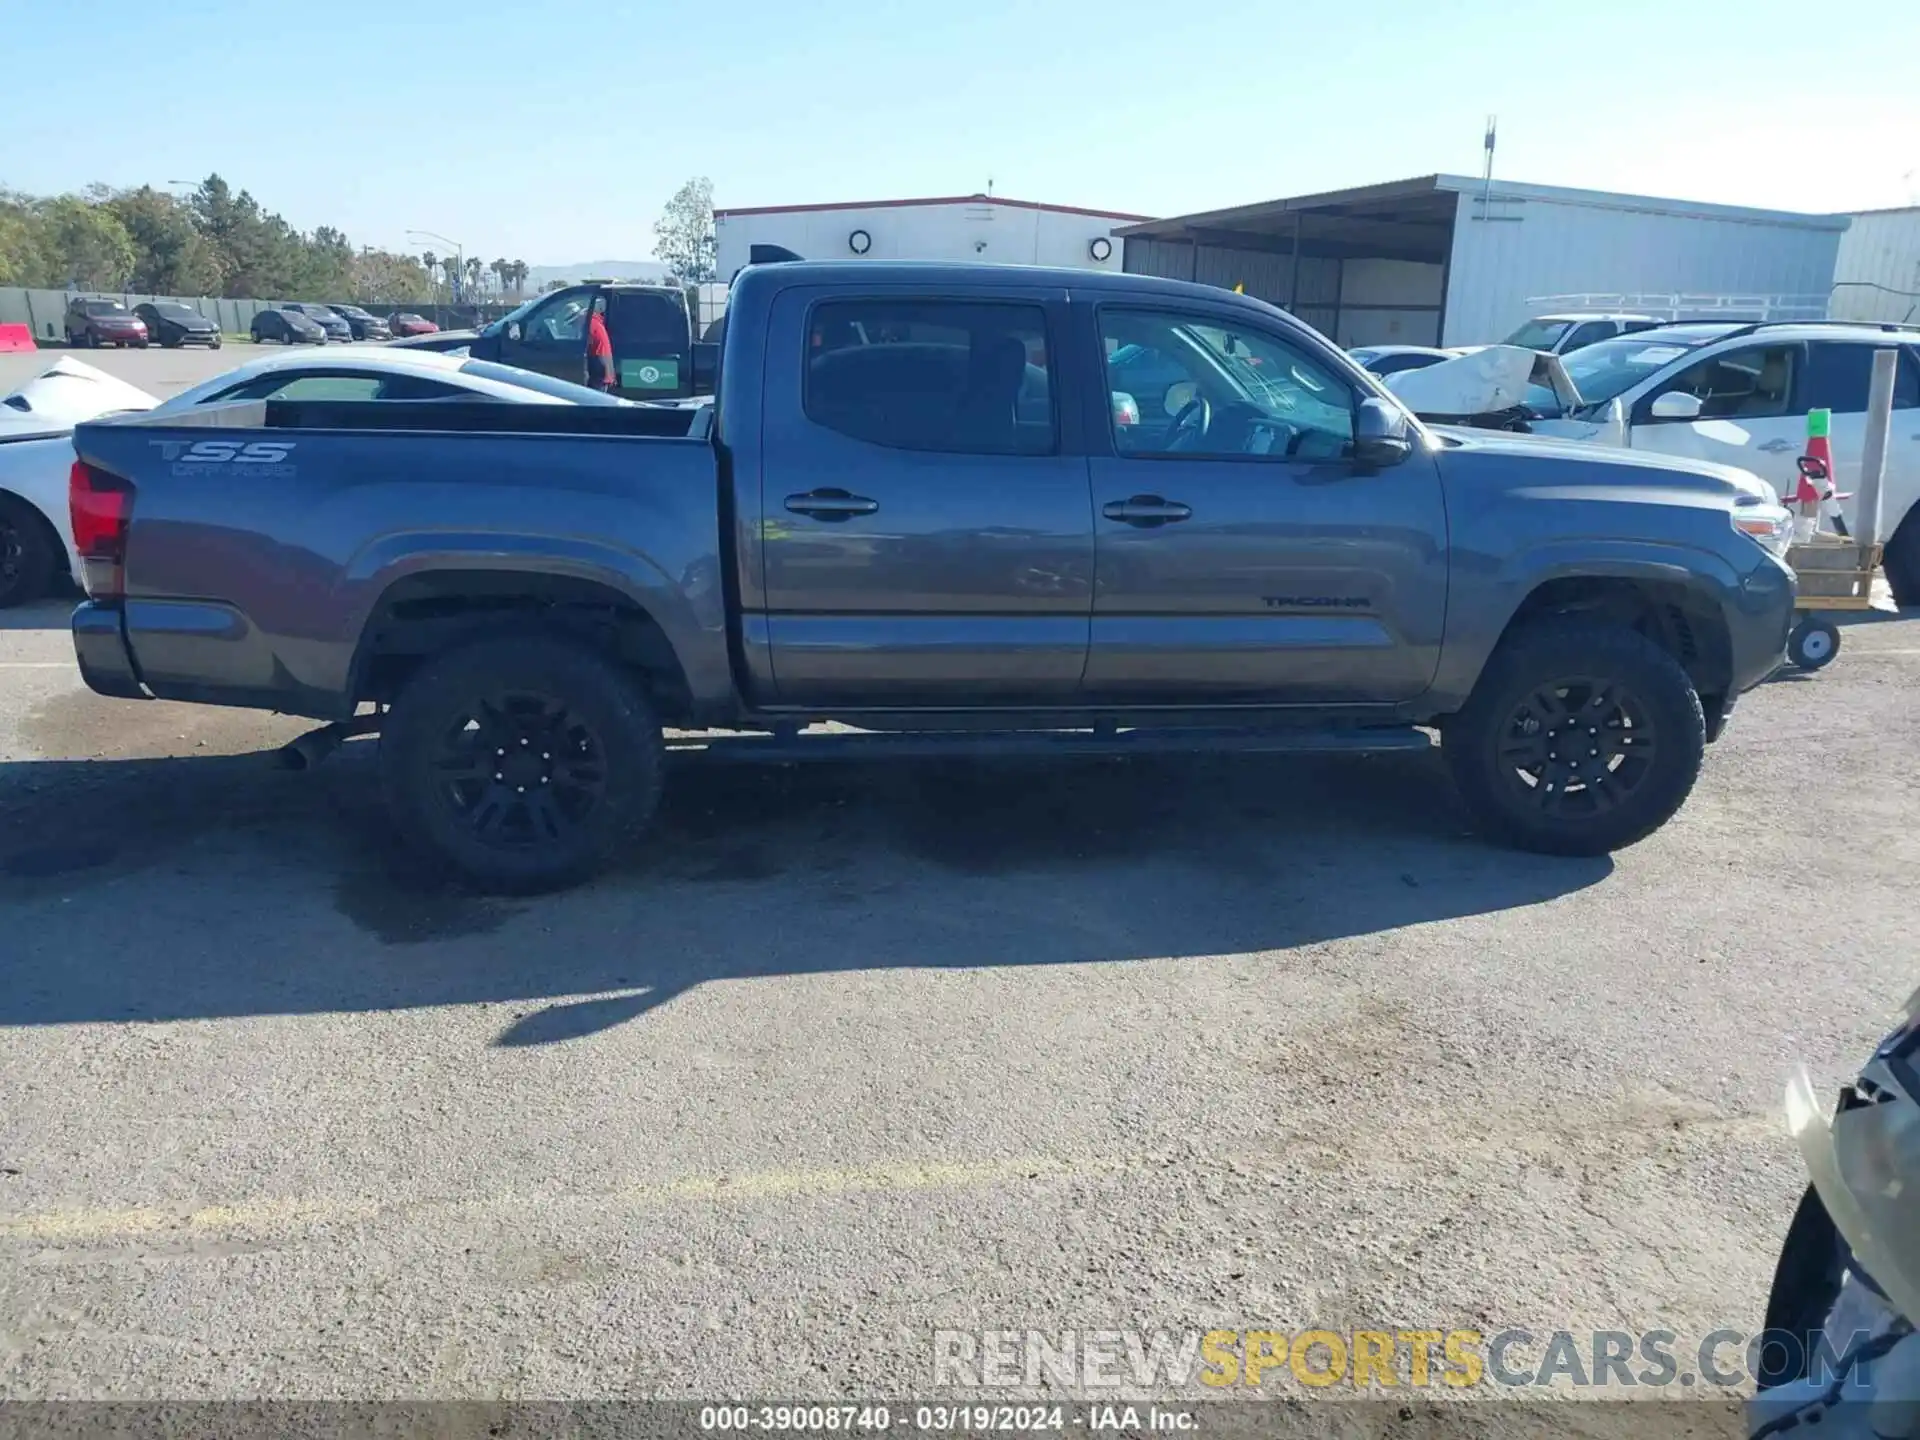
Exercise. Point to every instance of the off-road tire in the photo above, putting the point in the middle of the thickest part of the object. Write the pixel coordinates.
(1651, 782)
(427, 756)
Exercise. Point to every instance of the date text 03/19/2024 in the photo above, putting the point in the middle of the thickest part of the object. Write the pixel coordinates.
(938, 1419)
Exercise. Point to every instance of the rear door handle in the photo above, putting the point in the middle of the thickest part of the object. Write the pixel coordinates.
(1146, 511)
(1776, 447)
(830, 504)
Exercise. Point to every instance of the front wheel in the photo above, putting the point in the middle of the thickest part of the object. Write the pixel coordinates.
(522, 764)
(1812, 643)
(1581, 738)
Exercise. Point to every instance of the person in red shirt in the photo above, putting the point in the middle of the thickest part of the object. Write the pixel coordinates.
(599, 347)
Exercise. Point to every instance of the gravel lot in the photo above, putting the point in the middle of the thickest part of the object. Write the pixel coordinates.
(849, 1053)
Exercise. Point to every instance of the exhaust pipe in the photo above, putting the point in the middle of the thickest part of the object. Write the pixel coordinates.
(316, 745)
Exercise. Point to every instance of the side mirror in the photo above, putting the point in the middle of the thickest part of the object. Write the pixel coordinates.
(1380, 435)
(1676, 405)
(513, 331)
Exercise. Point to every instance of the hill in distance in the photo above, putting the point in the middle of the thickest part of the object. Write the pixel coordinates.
(539, 276)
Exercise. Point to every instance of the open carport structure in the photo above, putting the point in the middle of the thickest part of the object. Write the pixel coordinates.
(1449, 259)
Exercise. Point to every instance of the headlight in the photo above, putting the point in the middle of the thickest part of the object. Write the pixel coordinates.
(1770, 525)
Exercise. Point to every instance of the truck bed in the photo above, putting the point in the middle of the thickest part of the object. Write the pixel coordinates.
(269, 539)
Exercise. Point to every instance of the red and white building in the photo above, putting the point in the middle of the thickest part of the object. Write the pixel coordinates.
(955, 227)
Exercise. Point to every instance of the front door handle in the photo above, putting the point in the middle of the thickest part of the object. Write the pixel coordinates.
(1146, 511)
(830, 504)
(1776, 447)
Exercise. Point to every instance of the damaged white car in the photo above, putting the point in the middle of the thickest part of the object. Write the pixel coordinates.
(1495, 387)
(36, 454)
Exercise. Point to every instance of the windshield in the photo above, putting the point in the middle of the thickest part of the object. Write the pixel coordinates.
(177, 312)
(105, 307)
(545, 384)
(1539, 334)
(1610, 368)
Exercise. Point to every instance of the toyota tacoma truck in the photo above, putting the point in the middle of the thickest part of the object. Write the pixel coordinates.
(917, 506)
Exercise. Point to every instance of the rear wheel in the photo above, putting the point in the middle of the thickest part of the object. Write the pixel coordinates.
(522, 764)
(27, 551)
(1580, 738)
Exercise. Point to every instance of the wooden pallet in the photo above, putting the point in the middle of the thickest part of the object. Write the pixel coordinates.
(1834, 573)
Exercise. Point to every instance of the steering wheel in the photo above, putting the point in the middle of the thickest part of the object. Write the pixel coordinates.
(1190, 426)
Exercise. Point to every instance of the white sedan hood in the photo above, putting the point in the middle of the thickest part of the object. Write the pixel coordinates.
(65, 393)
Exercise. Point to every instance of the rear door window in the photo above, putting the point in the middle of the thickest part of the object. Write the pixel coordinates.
(1838, 377)
(963, 377)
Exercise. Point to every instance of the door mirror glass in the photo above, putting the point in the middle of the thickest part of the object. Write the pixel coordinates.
(1676, 405)
(513, 331)
(1380, 435)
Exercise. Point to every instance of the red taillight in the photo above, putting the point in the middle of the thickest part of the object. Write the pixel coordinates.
(101, 507)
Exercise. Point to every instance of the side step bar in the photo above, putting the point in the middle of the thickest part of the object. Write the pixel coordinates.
(786, 748)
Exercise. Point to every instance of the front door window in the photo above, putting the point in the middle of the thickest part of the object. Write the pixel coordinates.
(1191, 385)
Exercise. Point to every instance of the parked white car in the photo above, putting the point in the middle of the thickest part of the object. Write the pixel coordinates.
(1563, 334)
(35, 456)
(1739, 394)
(37, 420)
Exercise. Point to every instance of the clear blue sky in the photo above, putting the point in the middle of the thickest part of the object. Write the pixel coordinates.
(553, 133)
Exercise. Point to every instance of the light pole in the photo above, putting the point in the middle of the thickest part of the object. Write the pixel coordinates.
(459, 252)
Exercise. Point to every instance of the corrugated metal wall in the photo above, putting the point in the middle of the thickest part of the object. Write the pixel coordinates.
(1534, 247)
(1267, 274)
(1877, 276)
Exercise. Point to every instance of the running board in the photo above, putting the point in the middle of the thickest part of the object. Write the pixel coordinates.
(926, 744)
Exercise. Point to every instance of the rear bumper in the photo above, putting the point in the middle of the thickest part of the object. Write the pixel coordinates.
(100, 645)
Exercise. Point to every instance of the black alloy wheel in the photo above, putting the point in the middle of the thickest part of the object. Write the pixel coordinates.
(522, 770)
(1578, 746)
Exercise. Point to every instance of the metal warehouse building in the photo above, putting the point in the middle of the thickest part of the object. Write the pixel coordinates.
(955, 227)
(1447, 259)
(1878, 274)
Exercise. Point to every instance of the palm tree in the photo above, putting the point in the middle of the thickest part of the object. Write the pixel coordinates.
(519, 277)
(450, 267)
(499, 269)
(476, 267)
(432, 262)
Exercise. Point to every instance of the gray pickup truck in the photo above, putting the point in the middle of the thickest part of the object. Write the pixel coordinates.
(955, 508)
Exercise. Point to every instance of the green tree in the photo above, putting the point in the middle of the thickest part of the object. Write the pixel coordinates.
(386, 278)
(249, 248)
(23, 257)
(683, 238)
(500, 269)
(170, 255)
(86, 243)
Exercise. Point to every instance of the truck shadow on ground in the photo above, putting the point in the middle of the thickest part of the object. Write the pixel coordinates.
(176, 889)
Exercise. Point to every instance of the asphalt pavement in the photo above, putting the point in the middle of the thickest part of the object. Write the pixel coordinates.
(847, 1054)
